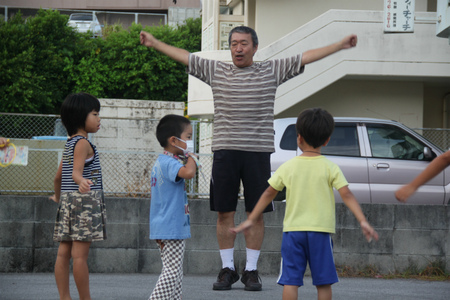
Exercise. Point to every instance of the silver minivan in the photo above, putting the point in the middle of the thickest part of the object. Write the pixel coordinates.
(376, 156)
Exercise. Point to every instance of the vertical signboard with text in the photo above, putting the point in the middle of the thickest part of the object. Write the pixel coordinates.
(399, 15)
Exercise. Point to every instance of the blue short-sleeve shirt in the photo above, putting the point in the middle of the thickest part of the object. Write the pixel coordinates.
(169, 209)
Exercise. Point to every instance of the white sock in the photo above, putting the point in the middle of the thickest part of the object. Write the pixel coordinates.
(227, 258)
(252, 259)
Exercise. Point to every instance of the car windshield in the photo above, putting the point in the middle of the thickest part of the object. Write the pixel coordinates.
(391, 142)
(81, 17)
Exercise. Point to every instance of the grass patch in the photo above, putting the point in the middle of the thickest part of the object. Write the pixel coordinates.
(367, 271)
(434, 271)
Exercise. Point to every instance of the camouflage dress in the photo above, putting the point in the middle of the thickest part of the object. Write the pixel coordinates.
(80, 216)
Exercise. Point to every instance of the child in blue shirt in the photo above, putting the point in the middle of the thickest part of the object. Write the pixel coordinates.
(169, 209)
(309, 217)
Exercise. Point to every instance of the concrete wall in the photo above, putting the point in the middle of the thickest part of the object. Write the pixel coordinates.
(436, 112)
(131, 124)
(410, 236)
(126, 137)
(392, 100)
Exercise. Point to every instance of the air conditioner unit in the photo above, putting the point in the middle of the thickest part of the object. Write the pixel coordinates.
(443, 16)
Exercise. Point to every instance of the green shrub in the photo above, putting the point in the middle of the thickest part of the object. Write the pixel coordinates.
(32, 62)
(42, 60)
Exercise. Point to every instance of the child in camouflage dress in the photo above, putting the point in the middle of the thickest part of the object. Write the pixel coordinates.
(81, 213)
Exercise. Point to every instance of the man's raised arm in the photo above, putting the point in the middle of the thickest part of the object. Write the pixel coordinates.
(175, 53)
(319, 53)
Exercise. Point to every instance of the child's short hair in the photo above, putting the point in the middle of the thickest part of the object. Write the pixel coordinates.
(315, 125)
(170, 125)
(75, 109)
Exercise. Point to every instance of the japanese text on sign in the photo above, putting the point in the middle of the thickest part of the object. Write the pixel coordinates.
(399, 15)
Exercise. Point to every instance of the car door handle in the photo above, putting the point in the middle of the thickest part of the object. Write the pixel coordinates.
(381, 166)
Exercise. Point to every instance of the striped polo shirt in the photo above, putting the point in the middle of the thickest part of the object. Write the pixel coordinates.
(244, 100)
(91, 169)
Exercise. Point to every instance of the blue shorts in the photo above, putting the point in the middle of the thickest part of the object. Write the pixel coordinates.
(301, 247)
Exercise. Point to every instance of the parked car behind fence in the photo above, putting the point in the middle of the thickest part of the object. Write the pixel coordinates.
(86, 22)
(376, 156)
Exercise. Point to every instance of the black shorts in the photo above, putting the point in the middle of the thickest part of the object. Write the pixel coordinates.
(232, 166)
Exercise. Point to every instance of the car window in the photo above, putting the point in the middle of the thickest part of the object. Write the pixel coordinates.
(387, 141)
(289, 138)
(343, 141)
(82, 17)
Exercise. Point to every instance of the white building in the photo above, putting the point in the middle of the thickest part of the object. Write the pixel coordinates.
(404, 76)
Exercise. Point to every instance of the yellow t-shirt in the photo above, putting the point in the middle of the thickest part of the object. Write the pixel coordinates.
(309, 183)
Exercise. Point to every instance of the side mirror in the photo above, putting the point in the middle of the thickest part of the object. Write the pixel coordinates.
(427, 153)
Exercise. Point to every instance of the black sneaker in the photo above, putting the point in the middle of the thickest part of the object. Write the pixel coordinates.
(251, 280)
(225, 279)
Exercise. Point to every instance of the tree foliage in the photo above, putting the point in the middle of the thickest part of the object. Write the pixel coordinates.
(32, 61)
(42, 60)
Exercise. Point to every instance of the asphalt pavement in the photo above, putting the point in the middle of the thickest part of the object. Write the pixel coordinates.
(30, 286)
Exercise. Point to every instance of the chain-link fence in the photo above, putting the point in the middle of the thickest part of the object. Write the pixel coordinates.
(127, 149)
(438, 136)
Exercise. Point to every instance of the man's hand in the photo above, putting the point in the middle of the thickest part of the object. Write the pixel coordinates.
(178, 54)
(349, 41)
(147, 39)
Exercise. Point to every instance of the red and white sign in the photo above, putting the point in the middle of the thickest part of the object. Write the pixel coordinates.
(399, 15)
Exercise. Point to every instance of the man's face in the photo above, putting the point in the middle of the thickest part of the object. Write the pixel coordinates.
(242, 49)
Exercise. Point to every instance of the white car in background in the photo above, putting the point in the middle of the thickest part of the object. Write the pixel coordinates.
(86, 22)
(376, 156)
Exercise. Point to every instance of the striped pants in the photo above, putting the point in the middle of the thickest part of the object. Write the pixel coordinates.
(169, 282)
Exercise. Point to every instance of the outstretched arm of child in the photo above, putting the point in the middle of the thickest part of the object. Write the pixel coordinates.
(178, 54)
(313, 55)
(350, 201)
(434, 168)
(263, 201)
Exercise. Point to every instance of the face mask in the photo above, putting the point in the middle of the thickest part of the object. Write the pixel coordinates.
(189, 146)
